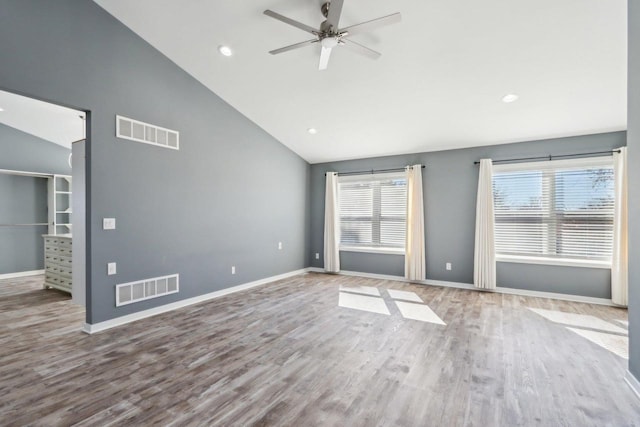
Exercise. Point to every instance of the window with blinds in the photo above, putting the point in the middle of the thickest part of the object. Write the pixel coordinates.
(373, 211)
(558, 209)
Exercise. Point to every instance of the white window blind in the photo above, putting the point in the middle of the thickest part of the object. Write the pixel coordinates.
(558, 209)
(373, 211)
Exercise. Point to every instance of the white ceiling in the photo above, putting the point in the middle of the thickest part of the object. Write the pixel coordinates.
(50, 122)
(438, 85)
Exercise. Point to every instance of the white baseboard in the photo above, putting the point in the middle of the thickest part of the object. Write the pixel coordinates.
(459, 285)
(633, 383)
(118, 321)
(21, 274)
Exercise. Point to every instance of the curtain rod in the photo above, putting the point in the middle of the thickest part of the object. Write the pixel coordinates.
(551, 157)
(372, 171)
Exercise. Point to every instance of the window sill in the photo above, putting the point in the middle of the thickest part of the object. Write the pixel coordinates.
(554, 261)
(384, 251)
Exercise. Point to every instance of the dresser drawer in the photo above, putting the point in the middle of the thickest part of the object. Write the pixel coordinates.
(62, 242)
(58, 255)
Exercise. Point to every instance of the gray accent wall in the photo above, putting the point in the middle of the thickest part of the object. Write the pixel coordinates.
(634, 187)
(23, 199)
(227, 197)
(450, 182)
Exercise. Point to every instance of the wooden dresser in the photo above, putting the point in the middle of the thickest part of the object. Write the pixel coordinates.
(57, 262)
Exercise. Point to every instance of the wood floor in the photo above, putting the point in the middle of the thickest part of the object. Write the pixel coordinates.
(287, 354)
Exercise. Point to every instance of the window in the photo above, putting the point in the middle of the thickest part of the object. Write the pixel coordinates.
(373, 212)
(558, 212)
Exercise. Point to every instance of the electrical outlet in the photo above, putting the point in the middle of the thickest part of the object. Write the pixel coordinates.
(317, 255)
(448, 266)
(279, 245)
(233, 269)
(111, 268)
(108, 223)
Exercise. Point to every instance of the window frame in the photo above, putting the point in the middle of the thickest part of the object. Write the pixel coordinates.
(584, 162)
(386, 250)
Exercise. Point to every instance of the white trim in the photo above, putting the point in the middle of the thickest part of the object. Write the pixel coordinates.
(633, 383)
(579, 162)
(21, 274)
(468, 286)
(367, 177)
(372, 250)
(118, 321)
(523, 259)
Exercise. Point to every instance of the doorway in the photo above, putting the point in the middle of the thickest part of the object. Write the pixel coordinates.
(42, 193)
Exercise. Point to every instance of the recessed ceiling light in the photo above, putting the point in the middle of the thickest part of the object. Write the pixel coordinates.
(225, 50)
(312, 131)
(510, 98)
(1, 109)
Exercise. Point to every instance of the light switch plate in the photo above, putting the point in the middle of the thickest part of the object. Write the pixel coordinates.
(280, 245)
(111, 268)
(108, 223)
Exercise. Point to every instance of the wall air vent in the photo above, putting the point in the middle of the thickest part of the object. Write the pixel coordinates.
(138, 131)
(141, 290)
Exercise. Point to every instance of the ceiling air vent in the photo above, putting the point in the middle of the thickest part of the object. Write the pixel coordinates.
(138, 131)
(141, 290)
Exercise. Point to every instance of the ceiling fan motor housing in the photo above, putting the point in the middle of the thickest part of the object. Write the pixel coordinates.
(325, 9)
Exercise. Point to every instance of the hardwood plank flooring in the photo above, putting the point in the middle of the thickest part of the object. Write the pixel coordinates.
(287, 354)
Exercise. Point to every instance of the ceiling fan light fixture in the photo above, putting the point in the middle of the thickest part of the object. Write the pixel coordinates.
(312, 131)
(509, 98)
(225, 50)
(330, 42)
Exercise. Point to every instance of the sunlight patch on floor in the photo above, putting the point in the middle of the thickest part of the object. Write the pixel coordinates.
(404, 295)
(578, 320)
(616, 344)
(371, 301)
(366, 290)
(362, 302)
(419, 312)
(600, 332)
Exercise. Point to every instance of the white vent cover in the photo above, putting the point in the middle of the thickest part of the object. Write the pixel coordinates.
(138, 131)
(131, 292)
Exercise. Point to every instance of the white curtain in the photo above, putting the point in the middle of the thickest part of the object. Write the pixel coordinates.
(331, 224)
(619, 264)
(414, 257)
(484, 262)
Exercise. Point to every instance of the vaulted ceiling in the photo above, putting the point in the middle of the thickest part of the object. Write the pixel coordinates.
(47, 121)
(438, 85)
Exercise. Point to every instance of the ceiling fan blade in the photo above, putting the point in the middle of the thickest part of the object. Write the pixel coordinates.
(290, 21)
(293, 46)
(363, 50)
(335, 9)
(324, 58)
(373, 24)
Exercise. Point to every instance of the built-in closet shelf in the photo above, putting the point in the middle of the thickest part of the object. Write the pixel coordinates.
(60, 190)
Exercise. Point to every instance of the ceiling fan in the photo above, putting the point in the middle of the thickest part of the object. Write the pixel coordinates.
(330, 35)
